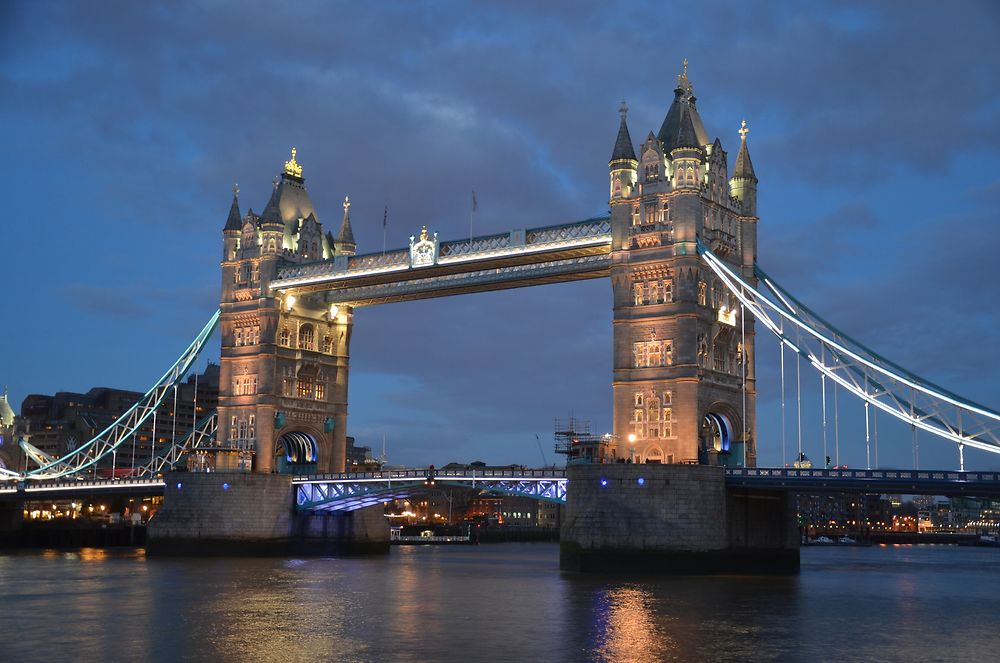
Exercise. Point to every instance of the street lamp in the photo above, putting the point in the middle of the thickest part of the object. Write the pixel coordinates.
(631, 447)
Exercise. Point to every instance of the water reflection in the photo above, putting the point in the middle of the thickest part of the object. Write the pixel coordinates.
(495, 602)
(628, 629)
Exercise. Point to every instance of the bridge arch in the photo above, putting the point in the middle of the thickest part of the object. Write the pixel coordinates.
(720, 438)
(296, 451)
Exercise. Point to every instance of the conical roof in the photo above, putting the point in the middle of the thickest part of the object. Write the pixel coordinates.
(346, 234)
(744, 167)
(272, 215)
(623, 143)
(687, 135)
(233, 222)
(680, 113)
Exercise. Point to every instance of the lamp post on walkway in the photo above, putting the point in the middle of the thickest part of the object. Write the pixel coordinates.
(631, 447)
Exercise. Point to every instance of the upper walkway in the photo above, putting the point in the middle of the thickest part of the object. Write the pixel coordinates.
(521, 257)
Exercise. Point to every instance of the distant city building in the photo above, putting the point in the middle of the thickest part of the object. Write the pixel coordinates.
(60, 423)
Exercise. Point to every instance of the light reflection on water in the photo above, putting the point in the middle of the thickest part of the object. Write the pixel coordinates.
(496, 602)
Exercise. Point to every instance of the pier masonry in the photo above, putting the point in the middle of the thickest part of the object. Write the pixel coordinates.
(673, 519)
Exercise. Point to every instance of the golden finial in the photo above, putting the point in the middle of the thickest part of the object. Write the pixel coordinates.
(623, 109)
(423, 233)
(743, 130)
(292, 166)
(682, 78)
(236, 190)
(347, 203)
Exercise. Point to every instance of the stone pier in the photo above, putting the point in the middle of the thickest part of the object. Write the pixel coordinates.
(253, 514)
(674, 519)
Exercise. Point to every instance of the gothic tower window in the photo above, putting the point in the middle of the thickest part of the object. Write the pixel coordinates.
(285, 338)
(306, 335)
(649, 354)
(328, 345)
(639, 301)
(702, 288)
(305, 386)
(638, 423)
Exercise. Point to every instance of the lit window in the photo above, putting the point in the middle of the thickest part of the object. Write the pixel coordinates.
(649, 354)
(306, 337)
(321, 391)
(305, 387)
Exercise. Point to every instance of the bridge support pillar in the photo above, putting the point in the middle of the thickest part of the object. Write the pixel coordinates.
(11, 522)
(673, 519)
(253, 514)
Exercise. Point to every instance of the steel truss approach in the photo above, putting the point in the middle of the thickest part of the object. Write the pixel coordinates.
(849, 364)
(128, 424)
(352, 491)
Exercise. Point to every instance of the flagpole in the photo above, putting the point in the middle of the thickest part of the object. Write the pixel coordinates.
(471, 213)
(385, 217)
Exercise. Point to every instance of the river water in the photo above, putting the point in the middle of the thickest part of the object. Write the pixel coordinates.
(499, 602)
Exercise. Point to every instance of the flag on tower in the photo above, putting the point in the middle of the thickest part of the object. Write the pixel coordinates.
(385, 216)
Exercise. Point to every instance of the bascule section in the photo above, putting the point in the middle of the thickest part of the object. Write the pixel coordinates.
(684, 383)
(284, 366)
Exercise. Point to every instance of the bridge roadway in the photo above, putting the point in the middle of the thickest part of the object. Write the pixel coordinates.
(354, 490)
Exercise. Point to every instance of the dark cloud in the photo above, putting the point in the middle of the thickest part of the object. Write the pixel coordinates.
(872, 130)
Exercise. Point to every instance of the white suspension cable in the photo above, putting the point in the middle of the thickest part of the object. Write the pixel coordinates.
(826, 456)
(783, 456)
(836, 423)
(848, 366)
(868, 446)
(798, 396)
(743, 381)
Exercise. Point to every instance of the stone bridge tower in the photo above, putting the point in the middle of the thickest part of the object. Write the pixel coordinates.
(684, 382)
(284, 364)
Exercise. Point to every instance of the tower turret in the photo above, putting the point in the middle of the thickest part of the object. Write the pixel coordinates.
(744, 182)
(231, 231)
(687, 155)
(623, 163)
(345, 238)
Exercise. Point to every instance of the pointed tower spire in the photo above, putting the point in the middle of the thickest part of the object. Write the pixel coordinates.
(743, 185)
(686, 135)
(682, 106)
(234, 222)
(623, 143)
(744, 167)
(272, 215)
(345, 238)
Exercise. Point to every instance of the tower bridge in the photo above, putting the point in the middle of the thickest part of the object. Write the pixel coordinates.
(679, 249)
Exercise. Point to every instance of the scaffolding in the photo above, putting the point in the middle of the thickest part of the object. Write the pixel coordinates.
(574, 439)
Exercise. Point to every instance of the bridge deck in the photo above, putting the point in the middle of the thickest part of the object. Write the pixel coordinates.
(519, 258)
(551, 484)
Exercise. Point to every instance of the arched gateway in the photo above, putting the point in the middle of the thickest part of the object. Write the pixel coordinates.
(683, 381)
